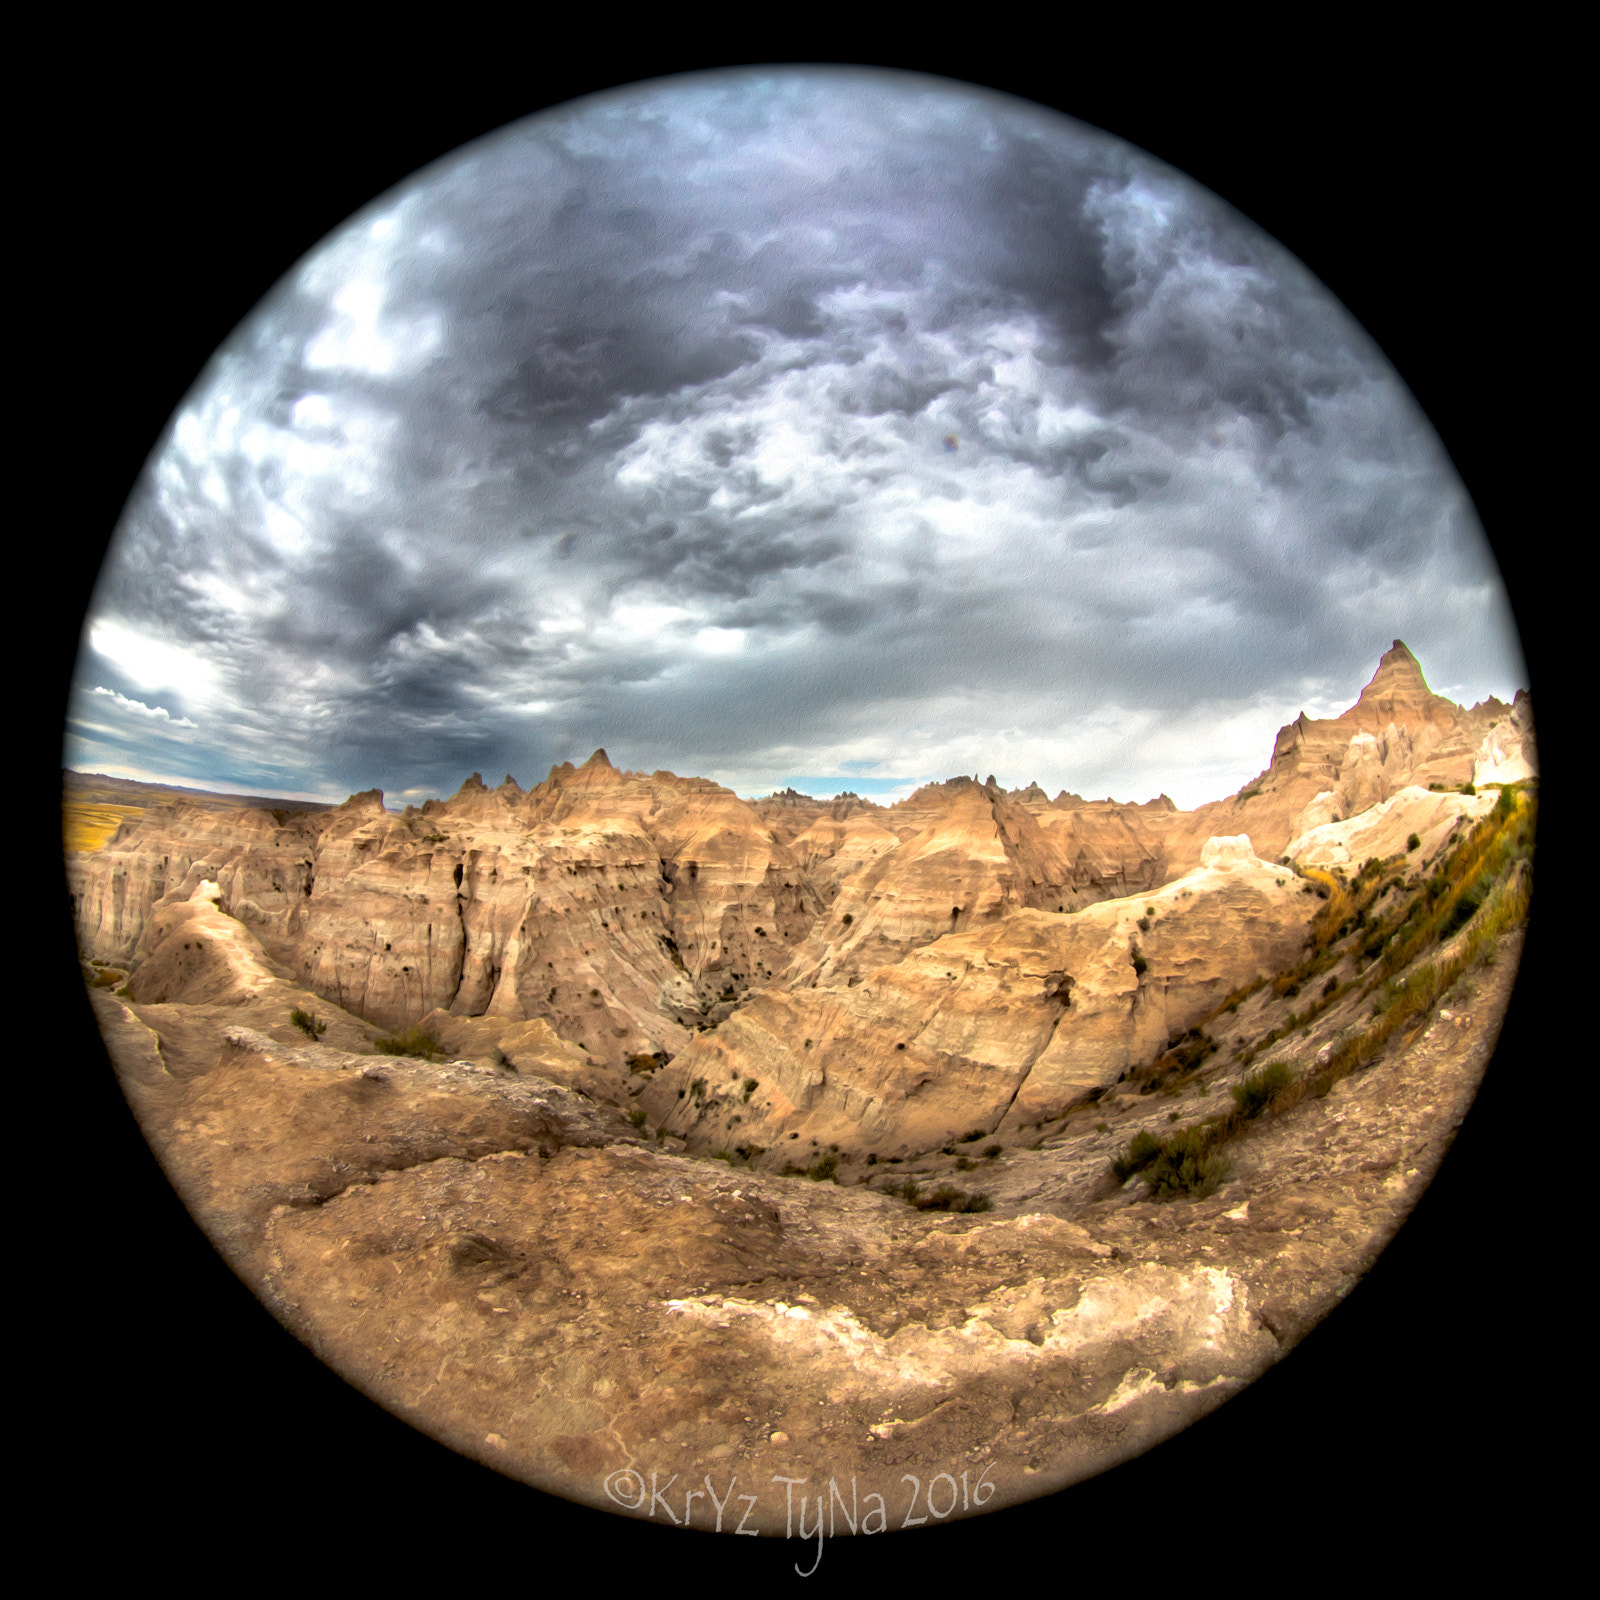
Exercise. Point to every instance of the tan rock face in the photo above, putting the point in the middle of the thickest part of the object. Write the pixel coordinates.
(1385, 829)
(1002, 1024)
(1508, 753)
(248, 852)
(1398, 734)
(524, 1251)
(501, 1262)
(628, 911)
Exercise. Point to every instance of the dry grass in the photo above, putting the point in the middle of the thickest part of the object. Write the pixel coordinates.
(1479, 892)
(90, 826)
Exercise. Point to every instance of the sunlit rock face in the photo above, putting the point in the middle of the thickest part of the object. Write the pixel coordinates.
(1398, 733)
(1388, 828)
(995, 1027)
(1508, 753)
(631, 911)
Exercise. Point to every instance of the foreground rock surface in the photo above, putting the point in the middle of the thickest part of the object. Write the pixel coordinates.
(954, 1009)
(500, 1260)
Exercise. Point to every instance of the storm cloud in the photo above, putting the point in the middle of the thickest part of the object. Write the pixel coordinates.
(848, 429)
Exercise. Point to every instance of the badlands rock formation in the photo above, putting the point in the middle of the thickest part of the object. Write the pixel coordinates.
(523, 1245)
(630, 913)
(1397, 734)
(992, 1029)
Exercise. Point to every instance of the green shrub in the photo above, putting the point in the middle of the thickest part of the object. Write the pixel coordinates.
(637, 1116)
(823, 1169)
(1187, 1165)
(1413, 842)
(1262, 1087)
(992, 1151)
(1141, 1150)
(308, 1023)
(412, 1042)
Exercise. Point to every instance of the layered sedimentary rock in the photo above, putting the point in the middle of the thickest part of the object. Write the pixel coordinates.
(629, 911)
(512, 1248)
(1399, 733)
(1388, 828)
(1508, 753)
(1005, 1023)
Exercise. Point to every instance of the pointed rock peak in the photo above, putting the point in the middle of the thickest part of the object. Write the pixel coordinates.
(473, 784)
(1397, 665)
(1400, 694)
(367, 800)
(598, 759)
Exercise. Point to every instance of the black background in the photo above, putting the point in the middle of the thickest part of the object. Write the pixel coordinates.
(1405, 1436)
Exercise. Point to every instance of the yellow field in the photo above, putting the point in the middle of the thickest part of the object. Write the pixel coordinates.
(87, 827)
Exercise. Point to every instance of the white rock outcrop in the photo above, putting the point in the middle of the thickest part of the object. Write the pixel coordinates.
(1507, 754)
(1386, 828)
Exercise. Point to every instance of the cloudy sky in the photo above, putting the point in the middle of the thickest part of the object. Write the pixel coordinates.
(842, 430)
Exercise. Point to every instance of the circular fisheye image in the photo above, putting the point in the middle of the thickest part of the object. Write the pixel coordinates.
(800, 802)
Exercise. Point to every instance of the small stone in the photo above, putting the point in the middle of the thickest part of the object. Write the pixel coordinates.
(780, 1437)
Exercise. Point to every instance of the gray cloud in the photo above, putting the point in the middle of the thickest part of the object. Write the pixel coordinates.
(790, 423)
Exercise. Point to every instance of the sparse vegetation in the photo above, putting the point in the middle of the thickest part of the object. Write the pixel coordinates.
(949, 1198)
(1184, 1162)
(309, 1023)
(1483, 887)
(413, 1041)
(1262, 1087)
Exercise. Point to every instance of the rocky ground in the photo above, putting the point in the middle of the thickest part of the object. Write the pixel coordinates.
(506, 1263)
(703, 1285)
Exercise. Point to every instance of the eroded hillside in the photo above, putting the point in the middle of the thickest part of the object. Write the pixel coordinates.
(511, 1250)
(622, 1131)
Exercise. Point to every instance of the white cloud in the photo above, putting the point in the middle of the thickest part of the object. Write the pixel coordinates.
(125, 704)
(151, 663)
